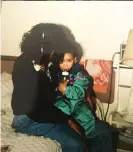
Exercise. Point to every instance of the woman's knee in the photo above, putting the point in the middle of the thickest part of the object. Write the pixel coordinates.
(20, 122)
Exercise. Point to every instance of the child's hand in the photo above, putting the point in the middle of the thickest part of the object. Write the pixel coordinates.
(62, 86)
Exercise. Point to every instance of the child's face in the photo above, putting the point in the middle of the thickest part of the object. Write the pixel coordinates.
(67, 62)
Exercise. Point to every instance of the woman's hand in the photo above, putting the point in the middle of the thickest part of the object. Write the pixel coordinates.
(75, 126)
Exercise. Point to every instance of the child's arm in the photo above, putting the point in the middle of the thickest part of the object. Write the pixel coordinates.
(77, 91)
(79, 87)
(74, 94)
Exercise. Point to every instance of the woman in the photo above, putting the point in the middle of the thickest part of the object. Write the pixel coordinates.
(34, 96)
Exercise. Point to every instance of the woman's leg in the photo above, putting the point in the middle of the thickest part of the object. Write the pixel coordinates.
(105, 140)
(69, 139)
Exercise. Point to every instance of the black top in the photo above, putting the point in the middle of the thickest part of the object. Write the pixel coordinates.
(34, 93)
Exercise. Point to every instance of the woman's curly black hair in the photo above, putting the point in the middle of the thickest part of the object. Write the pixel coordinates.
(50, 37)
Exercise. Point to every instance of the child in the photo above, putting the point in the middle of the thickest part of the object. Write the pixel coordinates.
(71, 94)
(71, 100)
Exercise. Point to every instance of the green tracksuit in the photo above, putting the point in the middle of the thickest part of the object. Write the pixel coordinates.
(73, 103)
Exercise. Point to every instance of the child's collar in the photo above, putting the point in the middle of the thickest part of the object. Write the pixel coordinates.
(75, 68)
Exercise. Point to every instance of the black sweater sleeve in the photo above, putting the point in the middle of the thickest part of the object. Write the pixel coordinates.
(25, 82)
(34, 94)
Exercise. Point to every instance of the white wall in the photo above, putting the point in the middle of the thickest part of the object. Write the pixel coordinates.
(100, 27)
